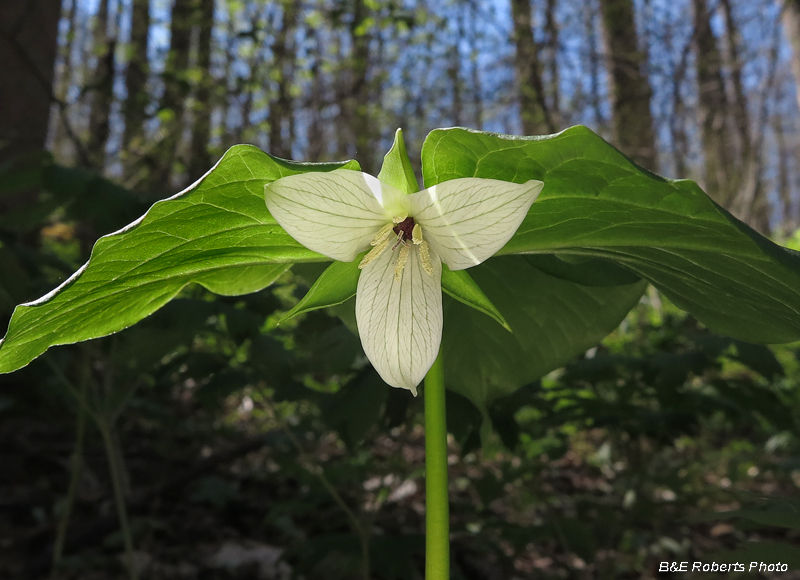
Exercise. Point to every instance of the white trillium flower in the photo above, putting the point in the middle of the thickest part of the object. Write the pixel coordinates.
(461, 222)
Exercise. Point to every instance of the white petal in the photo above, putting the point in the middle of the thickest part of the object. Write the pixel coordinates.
(400, 323)
(468, 220)
(334, 213)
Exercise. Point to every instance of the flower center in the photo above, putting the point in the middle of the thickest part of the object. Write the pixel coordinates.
(404, 229)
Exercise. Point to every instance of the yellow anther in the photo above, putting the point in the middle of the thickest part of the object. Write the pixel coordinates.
(416, 234)
(401, 261)
(382, 235)
(425, 257)
(375, 252)
(399, 219)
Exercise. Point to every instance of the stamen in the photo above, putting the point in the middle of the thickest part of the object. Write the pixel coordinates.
(416, 234)
(382, 234)
(425, 257)
(401, 262)
(404, 227)
(375, 252)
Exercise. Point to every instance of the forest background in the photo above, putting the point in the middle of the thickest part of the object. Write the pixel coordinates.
(237, 441)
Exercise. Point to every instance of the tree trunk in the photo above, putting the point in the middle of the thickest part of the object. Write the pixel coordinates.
(316, 135)
(590, 15)
(281, 110)
(359, 97)
(791, 29)
(551, 58)
(533, 108)
(677, 120)
(251, 87)
(475, 73)
(712, 106)
(28, 39)
(233, 84)
(60, 145)
(200, 158)
(741, 116)
(633, 126)
(136, 75)
(176, 92)
(454, 75)
(341, 88)
(103, 89)
(750, 201)
(788, 222)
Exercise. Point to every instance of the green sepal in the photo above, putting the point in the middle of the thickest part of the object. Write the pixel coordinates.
(339, 281)
(462, 287)
(335, 285)
(396, 169)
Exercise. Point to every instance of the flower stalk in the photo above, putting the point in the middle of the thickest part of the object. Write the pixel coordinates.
(437, 509)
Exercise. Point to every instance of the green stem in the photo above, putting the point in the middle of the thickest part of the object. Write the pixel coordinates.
(358, 527)
(437, 509)
(115, 470)
(76, 467)
(363, 535)
(79, 394)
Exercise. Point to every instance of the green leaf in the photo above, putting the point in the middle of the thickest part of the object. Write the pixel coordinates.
(759, 358)
(774, 511)
(356, 406)
(582, 270)
(23, 172)
(14, 282)
(462, 287)
(335, 285)
(396, 169)
(553, 320)
(91, 198)
(598, 204)
(218, 233)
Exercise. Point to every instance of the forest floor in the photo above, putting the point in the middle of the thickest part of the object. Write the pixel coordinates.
(224, 506)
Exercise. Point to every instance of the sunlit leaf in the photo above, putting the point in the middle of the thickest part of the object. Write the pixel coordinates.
(218, 233)
(598, 204)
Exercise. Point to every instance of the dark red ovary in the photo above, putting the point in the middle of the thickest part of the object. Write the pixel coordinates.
(404, 228)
